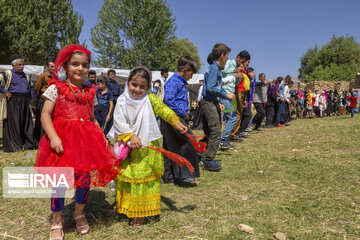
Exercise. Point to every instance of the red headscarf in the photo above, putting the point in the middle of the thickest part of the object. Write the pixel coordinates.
(63, 56)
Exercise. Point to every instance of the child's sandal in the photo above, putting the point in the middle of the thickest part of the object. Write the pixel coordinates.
(137, 221)
(83, 229)
(54, 227)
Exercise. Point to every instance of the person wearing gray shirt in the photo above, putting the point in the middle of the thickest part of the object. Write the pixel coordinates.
(259, 100)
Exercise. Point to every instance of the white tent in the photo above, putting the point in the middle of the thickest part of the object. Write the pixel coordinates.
(28, 69)
(121, 73)
(155, 74)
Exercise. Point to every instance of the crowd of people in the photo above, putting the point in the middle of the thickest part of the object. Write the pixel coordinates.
(76, 115)
(324, 103)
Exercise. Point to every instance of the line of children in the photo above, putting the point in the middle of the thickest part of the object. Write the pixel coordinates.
(264, 96)
(74, 139)
(328, 102)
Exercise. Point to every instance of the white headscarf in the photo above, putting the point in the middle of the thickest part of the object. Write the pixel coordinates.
(135, 115)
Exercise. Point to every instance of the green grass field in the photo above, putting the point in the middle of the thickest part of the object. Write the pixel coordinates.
(302, 180)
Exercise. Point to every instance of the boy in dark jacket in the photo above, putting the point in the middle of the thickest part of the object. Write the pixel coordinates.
(270, 105)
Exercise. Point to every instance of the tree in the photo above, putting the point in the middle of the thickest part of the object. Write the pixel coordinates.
(132, 32)
(70, 27)
(177, 48)
(36, 29)
(308, 61)
(338, 60)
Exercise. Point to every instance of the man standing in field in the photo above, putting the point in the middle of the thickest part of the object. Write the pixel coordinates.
(16, 91)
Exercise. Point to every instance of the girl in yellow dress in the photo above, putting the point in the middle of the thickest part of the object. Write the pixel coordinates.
(138, 186)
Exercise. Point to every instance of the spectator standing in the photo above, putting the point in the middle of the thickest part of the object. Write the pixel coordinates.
(16, 91)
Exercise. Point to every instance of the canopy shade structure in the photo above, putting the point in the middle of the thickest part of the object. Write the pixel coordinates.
(28, 69)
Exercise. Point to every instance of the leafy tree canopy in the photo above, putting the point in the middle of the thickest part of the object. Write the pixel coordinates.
(338, 60)
(138, 32)
(37, 29)
(177, 48)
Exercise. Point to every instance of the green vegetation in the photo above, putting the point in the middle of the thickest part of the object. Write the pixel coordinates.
(338, 60)
(132, 33)
(37, 29)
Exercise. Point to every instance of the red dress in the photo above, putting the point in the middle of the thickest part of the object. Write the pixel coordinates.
(85, 147)
(352, 101)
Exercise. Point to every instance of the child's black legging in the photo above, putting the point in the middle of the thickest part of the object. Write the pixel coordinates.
(81, 194)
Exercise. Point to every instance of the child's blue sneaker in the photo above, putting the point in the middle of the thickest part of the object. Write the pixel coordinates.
(212, 166)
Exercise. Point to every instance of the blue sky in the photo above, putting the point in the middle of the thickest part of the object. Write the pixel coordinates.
(275, 32)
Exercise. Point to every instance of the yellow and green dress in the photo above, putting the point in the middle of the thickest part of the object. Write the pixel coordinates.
(138, 186)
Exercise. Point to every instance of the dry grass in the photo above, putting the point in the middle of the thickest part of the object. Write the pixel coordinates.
(302, 180)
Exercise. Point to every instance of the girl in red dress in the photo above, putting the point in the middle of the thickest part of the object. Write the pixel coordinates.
(72, 137)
